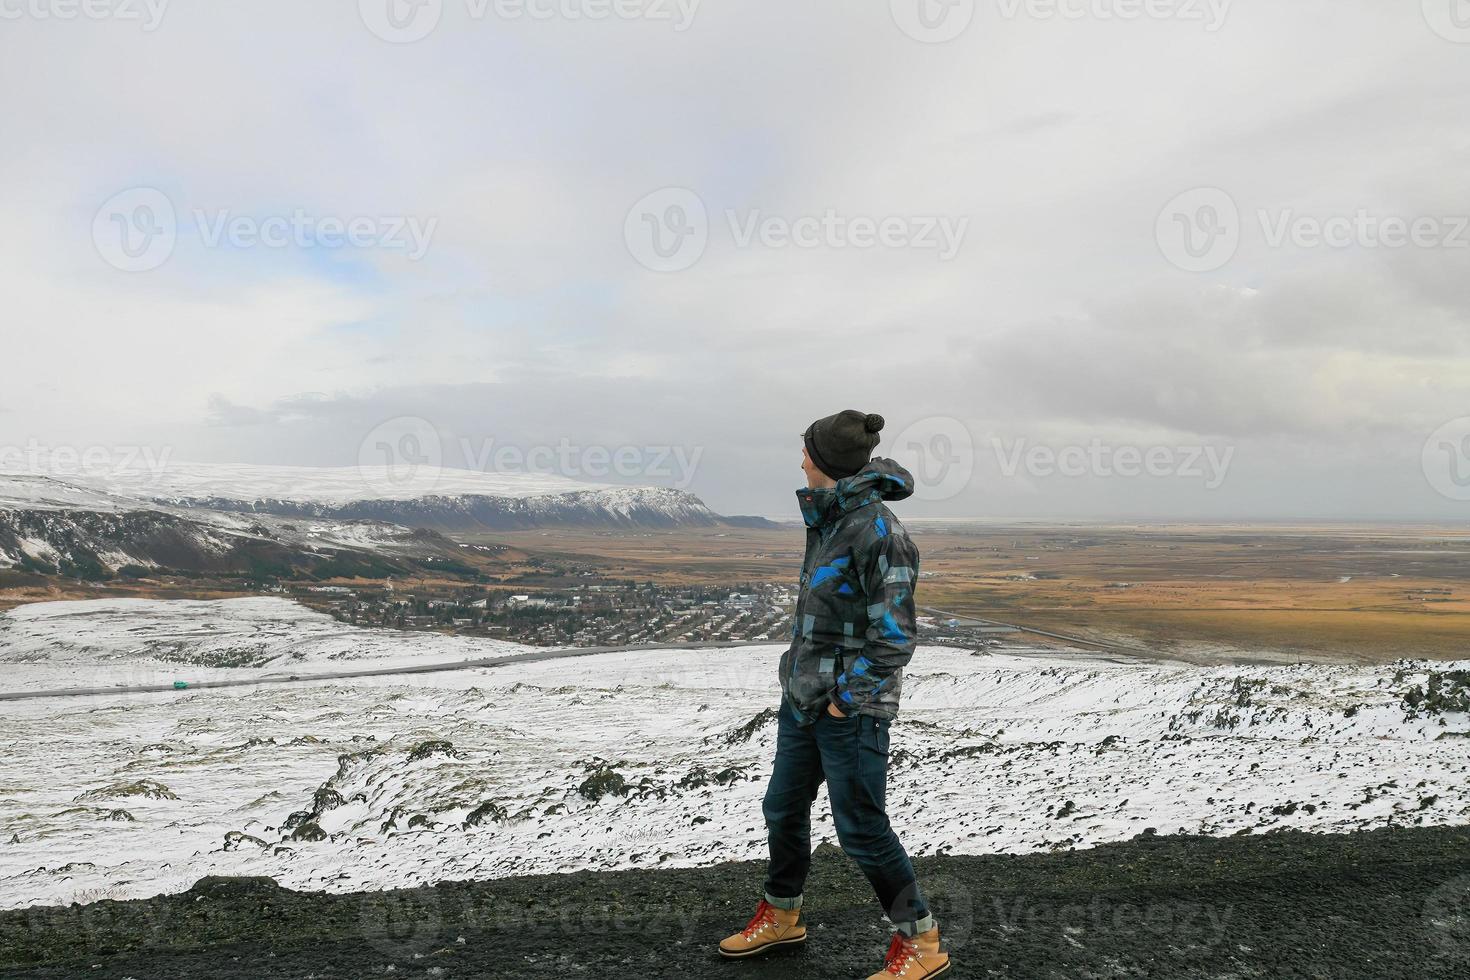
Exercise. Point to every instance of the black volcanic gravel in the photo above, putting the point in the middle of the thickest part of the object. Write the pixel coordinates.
(1378, 905)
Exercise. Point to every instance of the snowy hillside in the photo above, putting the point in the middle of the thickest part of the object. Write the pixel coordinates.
(649, 758)
(97, 542)
(28, 491)
(132, 642)
(630, 507)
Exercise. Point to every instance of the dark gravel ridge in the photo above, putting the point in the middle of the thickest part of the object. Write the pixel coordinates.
(1378, 905)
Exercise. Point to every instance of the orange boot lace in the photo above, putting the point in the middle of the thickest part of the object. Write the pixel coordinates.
(765, 915)
(900, 951)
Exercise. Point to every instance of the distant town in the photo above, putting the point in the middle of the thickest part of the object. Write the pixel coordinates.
(601, 614)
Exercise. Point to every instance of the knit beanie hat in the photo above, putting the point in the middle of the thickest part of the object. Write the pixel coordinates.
(841, 444)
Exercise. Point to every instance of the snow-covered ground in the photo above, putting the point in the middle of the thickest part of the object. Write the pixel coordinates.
(640, 759)
(30, 491)
(143, 642)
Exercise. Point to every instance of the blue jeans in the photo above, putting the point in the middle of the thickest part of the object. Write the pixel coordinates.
(851, 754)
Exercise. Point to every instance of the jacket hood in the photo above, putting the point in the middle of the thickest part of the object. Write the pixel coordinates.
(880, 479)
(880, 476)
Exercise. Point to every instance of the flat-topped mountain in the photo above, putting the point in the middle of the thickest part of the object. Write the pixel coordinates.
(225, 517)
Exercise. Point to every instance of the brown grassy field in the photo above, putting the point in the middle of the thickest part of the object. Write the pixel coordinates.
(55, 589)
(1334, 592)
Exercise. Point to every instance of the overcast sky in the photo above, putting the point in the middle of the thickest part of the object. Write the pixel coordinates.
(1210, 256)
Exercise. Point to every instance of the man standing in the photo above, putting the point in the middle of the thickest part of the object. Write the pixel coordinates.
(840, 684)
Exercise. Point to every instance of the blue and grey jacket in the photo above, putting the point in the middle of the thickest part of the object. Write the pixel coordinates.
(854, 626)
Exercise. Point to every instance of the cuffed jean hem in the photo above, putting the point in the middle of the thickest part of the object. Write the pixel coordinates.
(912, 929)
(784, 904)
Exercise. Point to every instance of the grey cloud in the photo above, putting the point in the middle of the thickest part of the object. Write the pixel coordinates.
(529, 322)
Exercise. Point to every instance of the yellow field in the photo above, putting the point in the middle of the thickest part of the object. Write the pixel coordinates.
(1312, 592)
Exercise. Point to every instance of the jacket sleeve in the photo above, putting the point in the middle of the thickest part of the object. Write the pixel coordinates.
(888, 569)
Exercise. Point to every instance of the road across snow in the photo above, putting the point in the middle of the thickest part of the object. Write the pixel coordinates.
(639, 759)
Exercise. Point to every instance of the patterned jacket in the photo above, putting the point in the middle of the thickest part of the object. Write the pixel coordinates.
(854, 624)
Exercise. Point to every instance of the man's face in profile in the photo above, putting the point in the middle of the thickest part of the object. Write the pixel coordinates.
(814, 476)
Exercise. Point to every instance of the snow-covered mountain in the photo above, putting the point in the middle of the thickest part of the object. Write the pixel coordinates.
(644, 758)
(443, 499)
(52, 526)
(245, 519)
(632, 507)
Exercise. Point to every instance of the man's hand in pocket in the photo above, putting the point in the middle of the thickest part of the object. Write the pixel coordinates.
(833, 711)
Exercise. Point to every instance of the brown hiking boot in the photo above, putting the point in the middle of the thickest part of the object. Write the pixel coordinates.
(769, 928)
(914, 958)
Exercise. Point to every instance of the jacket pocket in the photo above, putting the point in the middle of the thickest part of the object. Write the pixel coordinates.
(843, 634)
